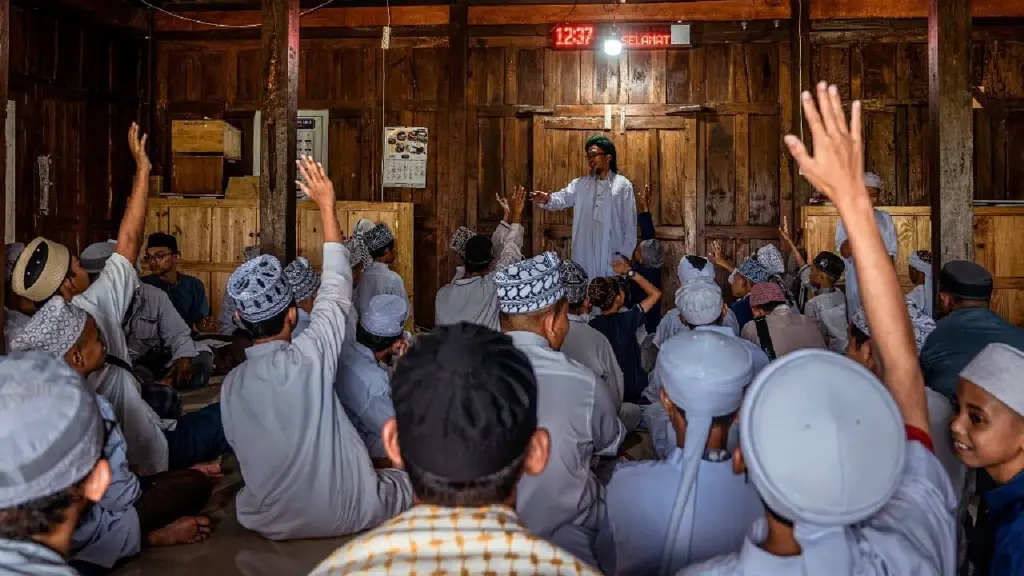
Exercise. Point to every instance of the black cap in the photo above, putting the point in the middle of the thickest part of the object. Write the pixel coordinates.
(465, 402)
(829, 263)
(479, 251)
(162, 240)
(966, 280)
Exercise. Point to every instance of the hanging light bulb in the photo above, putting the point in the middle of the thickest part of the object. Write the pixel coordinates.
(612, 44)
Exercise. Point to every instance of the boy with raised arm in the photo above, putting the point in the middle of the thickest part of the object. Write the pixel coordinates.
(870, 497)
(306, 470)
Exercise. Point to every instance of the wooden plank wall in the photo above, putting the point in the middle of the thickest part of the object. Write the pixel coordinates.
(77, 85)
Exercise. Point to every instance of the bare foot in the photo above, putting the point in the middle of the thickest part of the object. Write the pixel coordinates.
(185, 530)
(211, 469)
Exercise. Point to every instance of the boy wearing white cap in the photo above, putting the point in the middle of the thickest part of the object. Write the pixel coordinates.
(296, 448)
(988, 433)
(844, 463)
(51, 462)
(378, 277)
(564, 504)
(691, 506)
(691, 268)
(873, 182)
(362, 383)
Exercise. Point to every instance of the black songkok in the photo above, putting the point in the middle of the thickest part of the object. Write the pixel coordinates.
(966, 280)
(829, 263)
(479, 251)
(465, 402)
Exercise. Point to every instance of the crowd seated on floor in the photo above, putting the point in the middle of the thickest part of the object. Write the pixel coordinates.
(778, 420)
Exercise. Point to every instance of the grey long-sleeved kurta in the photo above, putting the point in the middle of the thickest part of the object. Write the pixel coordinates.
(155, 322)
(589, 347)
(377, 279)
(306, 470)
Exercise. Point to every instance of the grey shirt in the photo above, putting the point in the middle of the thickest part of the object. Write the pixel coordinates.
(580, 417)
(829, 309)
(475, 300)
(155, 322)
(306, 470)
(364, 389)
(589, 347)
(376, 279)
(19, 558)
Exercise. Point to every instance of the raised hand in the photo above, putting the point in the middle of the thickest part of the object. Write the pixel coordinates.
(837, 167)
(137, 144)
(539, 197)
(518, 205)
(503, 202)
(620, 265)
(716, 256)
(643, 200)
(400, 347)
(316, 185)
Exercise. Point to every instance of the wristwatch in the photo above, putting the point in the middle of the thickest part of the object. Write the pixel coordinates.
(631, 273)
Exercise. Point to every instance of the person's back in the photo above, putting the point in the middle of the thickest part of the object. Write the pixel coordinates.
(463, 463)
(788, 329)
(294, 444)
(829, 310)
(377, 277)
(589, 347)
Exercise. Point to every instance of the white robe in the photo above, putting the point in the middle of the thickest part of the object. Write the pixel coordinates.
(376, 279)
(296, 448)
(598, 232)
(889, 238)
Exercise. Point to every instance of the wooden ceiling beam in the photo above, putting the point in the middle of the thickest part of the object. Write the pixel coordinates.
(699, 10)
(324, 18)
(105, 12)
(882, 9)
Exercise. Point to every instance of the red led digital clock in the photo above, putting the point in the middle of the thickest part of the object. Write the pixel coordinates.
(633, 36)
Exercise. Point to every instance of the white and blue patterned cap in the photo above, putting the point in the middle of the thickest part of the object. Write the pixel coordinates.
(259, 289)
(378, 237)
(459, 240)
(752, 270)
(54, 328)
(385, 315)
(530, 285)
(303, 279)
(575, 281)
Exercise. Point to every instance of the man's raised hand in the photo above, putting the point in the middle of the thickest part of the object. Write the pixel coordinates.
(137, 144)
(317, 186)
(517, 205)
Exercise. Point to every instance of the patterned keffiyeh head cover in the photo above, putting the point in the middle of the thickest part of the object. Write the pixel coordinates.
(378, 237)
(752, 270)
(51, 430)
(54, 328)
(824, 444)
(770, 257)
(302, 278)
(259, 289)
(357, 252)
(575, 281)
(996, 370)
(530, 285)
(922, 323)
(459, 240)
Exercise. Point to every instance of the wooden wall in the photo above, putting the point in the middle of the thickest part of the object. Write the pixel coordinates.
(77, 84)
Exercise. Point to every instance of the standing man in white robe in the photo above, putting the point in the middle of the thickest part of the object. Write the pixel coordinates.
(565, 503)
(604, 219)
(378, 277)
(885, 225)
(296, 448)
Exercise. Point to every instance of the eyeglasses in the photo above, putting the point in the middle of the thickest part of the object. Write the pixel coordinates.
(157, 257)
(592, 155)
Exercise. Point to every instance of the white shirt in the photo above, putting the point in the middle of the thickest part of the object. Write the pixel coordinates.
(888, 231)
(592, 349)
(107, 300)
(829, 309)
(913, 534)
(581, 420)
(306, 470)
(376, 279)
(365, 392)
(599, 229)
(475, 299)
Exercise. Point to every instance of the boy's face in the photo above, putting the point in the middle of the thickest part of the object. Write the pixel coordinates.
(739, 285)
(987, 433)
(89, 353)
(916, 276)
(818, 278)
(78, 277)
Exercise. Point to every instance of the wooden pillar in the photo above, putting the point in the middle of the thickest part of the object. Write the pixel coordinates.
(800, 54)
(451, 209)
(279, 40)
(5, 61)
(951, 144)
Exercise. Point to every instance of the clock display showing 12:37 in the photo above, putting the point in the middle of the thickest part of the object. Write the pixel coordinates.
(568, 36)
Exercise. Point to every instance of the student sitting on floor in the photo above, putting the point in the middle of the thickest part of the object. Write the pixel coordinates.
(466, 428)
(306, 470)
(777, 328)
(362, 384)
(691, 268)
(827, 305)
(691, 506)
(53, 466)
(378, 277)
(187, 293)
(920, 270)
(620, 328)
(17, 309)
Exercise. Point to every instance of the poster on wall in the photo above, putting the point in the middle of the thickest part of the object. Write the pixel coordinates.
(405, 157)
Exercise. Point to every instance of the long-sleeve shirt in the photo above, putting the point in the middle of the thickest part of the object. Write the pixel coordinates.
(1004, 531)
(957, 339)
(109, 530)
(603, 220)
(581, 420)
(107, 301)
(24, 558)
(620, 329)
(155, 322)
(475, 299)
(650, 273)
(377, 279)
(790, 331)
(829, 309)
(187, 294)
(365, 393)
(296, 448)
(592, 349)
(914, 533)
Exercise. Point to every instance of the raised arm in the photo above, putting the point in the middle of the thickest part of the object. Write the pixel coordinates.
(510, 249)
(643, 216)
(837, 169)
(133, 223)
(652, 293)
(784, 234)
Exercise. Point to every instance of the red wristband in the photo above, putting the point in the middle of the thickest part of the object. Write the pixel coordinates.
(914, 433)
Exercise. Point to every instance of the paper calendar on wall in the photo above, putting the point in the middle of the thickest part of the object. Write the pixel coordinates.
(405, 157)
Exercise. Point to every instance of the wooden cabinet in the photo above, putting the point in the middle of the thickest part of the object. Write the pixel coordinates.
(997, 246)
(211, 234)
